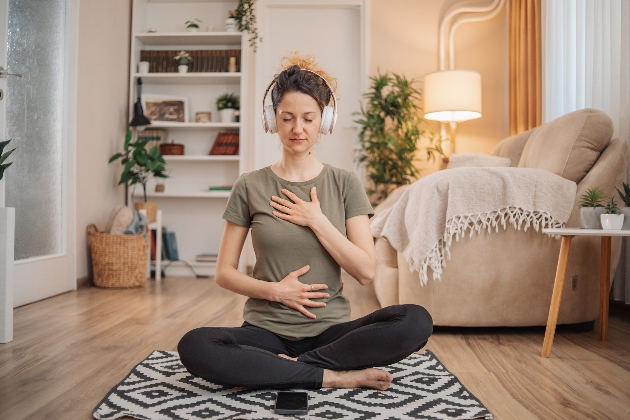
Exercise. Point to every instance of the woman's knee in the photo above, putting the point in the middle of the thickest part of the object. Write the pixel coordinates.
(419, 321)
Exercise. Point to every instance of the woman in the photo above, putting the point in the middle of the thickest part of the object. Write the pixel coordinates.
(308, 219)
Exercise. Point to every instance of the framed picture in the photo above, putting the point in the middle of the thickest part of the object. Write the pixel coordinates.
(165, 108)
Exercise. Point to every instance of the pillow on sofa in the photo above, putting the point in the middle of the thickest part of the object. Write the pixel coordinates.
(478, 160)
(570, 145)
(119, 218)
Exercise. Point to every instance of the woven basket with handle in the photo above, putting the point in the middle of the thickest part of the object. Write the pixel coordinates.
(118, 260)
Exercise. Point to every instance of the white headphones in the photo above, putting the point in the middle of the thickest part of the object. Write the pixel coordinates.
(329, 114)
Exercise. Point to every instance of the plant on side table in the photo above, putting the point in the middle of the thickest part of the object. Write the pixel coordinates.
(140, 165)
(193, 25)
(611, 219)
(591, 208)
(390, 132)
(228, 104)
(625, 197)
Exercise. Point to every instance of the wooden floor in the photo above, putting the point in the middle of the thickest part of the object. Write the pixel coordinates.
(69, 351)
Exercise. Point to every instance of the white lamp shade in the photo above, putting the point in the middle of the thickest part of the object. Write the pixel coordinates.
(452, 95)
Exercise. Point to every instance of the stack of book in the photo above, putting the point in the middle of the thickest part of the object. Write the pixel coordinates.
(163, 61)
(226, 143)
(206, 258)
(169, 245)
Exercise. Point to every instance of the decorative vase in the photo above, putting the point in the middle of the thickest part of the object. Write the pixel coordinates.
(227, 115)
(230, 25)
(589, 217)
(626, 218)
(182, 68)
(150, 206)
(612, 221)
(159, 187)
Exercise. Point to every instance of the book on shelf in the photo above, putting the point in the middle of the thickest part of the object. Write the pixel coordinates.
(206, 257)
(226, 143)
(170, 245)
(220, 188)
(152, 134)
(203, 61)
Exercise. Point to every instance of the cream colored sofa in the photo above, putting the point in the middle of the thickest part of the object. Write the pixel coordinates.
(506, 278)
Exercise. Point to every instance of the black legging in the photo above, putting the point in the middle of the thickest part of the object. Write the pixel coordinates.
(247, 356)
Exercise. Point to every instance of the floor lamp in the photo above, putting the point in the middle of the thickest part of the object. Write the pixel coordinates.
(452, 96)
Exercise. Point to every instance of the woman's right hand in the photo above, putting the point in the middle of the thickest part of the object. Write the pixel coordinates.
(296, 295)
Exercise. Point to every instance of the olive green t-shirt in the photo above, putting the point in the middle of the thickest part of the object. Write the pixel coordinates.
(282, 246)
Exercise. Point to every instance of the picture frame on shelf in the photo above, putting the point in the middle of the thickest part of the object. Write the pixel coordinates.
(167, 108)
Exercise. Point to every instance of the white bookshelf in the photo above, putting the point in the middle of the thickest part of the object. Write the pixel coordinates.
(188, 207)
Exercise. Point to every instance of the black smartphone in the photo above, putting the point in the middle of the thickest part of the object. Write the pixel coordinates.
(291, 403)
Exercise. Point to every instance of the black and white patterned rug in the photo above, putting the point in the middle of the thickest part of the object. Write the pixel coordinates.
(161, 388)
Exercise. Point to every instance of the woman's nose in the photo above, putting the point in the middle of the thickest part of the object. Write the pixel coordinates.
(297, 127)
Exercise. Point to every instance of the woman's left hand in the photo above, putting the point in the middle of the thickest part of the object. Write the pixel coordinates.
(297, 210)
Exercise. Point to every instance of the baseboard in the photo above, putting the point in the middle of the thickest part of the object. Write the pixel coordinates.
(83, 282)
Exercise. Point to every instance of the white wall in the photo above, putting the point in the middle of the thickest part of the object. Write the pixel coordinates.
(102, 112)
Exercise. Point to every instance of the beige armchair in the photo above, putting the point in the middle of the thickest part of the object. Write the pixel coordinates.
(506, 278)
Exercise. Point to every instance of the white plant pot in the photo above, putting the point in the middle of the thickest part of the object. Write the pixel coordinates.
(7, 244)
(626, 218)
(230, 25)
(589, 217)
(193, 29)
(227, 115)
(612, 221)
(182, 69)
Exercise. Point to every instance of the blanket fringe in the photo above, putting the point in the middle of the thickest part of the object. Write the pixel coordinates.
(458, 226)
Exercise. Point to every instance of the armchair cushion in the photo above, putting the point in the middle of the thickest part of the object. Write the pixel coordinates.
(568, 146)
(478, 160)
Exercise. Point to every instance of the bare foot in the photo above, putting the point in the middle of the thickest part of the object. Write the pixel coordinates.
(287, 357)
(365, 378)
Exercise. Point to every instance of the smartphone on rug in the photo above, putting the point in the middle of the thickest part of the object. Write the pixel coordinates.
(291, 403)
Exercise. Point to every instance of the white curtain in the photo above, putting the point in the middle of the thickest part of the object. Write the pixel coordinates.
(586, 64)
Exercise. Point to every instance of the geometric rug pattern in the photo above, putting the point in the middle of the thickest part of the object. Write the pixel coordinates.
(161, 388)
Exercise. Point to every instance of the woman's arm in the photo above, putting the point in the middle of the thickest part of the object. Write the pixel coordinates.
(355, 254)
(289, 291)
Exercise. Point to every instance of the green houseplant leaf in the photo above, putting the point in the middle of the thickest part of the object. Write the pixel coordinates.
(139, 164)
(3, 157)
(391, 129)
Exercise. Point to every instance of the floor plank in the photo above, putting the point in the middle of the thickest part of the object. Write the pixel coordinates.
(70, 350)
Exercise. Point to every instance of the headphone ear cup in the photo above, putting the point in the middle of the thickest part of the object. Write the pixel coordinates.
(327, 120)
(269, 120)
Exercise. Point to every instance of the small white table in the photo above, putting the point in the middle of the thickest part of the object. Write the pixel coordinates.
(604, 281)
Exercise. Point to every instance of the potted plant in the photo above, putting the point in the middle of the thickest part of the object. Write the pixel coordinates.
(390, 131)
(591, 209)
(230, 22)
(228, 104)
(625, 197)
(184, 59)
(4, 157)
(245, 17)
(140, 165)
(611, 219)
(193, 25)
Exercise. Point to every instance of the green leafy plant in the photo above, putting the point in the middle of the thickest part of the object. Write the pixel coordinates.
(183, 57)
(245, 16)
(625, 196)
(611, 207)
(193, 23)
(139, 164)
(228, 100)
(390, 132)
(592, 198)
(4, 157)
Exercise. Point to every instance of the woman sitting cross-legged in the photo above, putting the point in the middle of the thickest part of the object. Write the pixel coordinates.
(308, 220)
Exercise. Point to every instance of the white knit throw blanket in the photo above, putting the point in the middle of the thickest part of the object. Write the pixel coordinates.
(448, 203)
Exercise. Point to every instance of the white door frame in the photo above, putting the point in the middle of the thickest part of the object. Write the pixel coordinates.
(27, 271)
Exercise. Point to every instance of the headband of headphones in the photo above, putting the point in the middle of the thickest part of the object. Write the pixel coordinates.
(329, 115)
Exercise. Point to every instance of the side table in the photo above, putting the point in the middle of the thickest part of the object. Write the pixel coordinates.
(604, 283)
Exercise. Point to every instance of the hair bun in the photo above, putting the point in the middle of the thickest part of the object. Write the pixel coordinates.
(307, 62)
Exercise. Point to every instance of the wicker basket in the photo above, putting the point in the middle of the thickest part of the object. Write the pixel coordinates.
(150, 206)
(118, 260)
